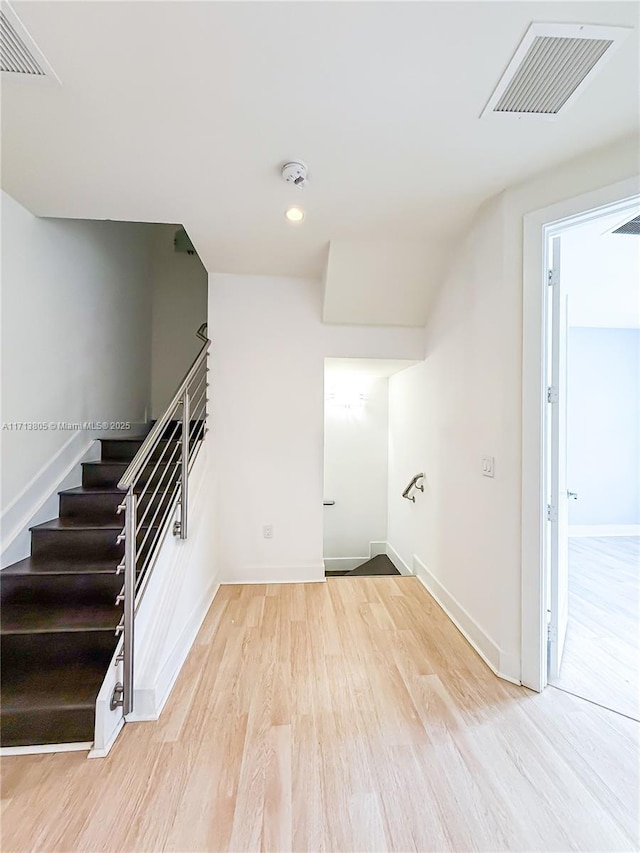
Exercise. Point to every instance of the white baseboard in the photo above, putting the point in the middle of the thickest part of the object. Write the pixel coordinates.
(584, 530)
(296, 573)
(398, 562)
(377, 548)
(506, 666)
(44, 748)
(343, 564)
(346, 564)
(103, 751)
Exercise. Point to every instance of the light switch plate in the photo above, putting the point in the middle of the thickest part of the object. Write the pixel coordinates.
(487, 466)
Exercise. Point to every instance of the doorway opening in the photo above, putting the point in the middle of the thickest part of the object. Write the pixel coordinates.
(356, 466)
(592, 457)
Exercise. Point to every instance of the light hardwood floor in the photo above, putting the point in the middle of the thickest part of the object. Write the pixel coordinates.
(345, 716)
(601, 659)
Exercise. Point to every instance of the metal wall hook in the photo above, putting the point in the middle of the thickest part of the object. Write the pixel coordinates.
(413, 485)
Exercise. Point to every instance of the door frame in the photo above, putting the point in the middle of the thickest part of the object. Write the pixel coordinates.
(557, 574)
(539, 227)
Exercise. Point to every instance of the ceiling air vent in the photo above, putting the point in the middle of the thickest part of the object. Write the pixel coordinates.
(551, 67)
(631, 227)
(20, 56)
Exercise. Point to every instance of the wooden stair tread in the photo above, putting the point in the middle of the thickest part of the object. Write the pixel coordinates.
(93, 490)
(50, 566)
(122, 463)
(74, 685)
(64, 523)
(36, 618)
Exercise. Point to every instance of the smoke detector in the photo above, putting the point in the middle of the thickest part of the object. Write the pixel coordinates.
(295, 172)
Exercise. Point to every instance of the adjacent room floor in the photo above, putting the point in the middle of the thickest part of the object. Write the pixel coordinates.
(601, 658)
(342, 716)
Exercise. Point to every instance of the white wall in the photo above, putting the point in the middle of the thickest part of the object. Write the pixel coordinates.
(76, 332)
(603, 426)
(465, 402)
(179, 308)
(356, 438)
(387, 282)
(445, 415)
(267, 365)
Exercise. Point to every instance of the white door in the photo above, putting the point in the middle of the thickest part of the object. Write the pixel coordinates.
(559, 496)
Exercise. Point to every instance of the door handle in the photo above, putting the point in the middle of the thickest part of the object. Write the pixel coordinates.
(573, 495)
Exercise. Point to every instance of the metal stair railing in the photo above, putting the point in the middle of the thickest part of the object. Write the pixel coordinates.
(156, 480)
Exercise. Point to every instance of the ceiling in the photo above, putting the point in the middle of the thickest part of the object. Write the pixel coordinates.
(366, 368)
(185, 111)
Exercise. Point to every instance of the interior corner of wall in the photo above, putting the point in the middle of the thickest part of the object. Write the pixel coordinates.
(324, 281)
(505, 665)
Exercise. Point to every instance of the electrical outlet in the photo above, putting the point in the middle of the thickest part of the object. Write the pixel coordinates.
(267, 531)
(487, 466)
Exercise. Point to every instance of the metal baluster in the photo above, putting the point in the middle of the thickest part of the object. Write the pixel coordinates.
(193, 388)
(129, 598)
(185, 465)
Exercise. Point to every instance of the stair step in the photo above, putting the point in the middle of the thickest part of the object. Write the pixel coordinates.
(51, 679)
(93, 502)
(50, 705)
(59, 617)
(110, 473)
(31, 566)
(59, 588)
(100, 503)
(75, 538)
(69, 537)
(23, 651)
(124, 449)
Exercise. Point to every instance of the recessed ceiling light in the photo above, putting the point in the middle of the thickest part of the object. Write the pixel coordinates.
(295, 214)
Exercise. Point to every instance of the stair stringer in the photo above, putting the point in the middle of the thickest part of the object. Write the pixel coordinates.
(178, 595)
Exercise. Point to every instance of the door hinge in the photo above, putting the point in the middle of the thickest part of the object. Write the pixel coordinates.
(552, 513)
(552, 394)
(551, 633)
(552, 278)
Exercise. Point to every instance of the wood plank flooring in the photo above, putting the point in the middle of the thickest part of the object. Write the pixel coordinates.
(601, 659)
(341, 716)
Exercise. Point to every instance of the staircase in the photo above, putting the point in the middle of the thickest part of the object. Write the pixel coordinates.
(380, 565)
(59, 611)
